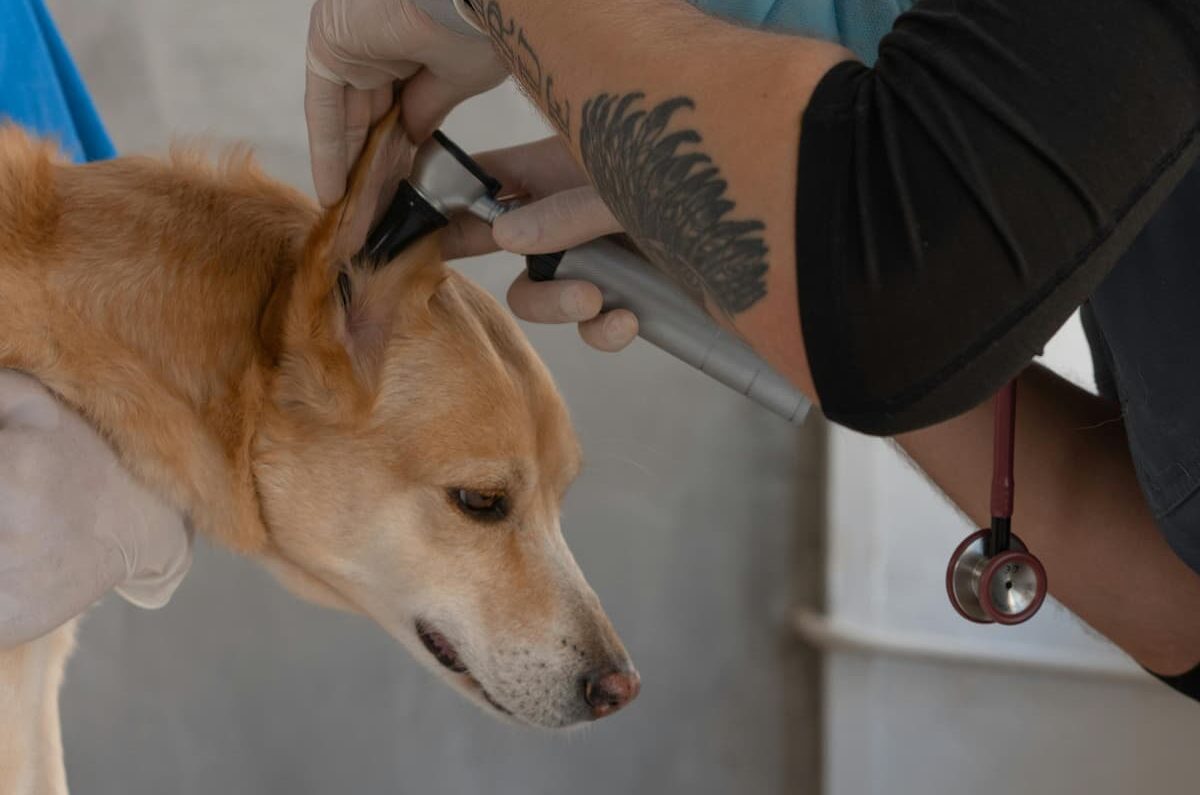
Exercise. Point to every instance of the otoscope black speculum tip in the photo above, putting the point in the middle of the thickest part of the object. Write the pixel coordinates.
(408, 218)
(444, 179)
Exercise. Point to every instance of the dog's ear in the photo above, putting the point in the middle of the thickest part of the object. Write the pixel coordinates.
(340, 312)
(385, 161)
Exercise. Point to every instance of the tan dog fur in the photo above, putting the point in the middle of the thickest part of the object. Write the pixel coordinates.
(191, 314)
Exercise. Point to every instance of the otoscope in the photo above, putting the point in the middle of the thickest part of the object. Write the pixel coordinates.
(445, 181)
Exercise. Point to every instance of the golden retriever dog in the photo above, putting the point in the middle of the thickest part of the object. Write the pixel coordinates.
(381, 435)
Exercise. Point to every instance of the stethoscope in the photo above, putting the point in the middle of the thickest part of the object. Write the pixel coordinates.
(992, 576)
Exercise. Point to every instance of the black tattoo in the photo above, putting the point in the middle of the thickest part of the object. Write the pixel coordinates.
(672, 203)
(525, 64)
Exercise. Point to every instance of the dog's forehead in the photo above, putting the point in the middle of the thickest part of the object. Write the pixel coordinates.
(470, 387)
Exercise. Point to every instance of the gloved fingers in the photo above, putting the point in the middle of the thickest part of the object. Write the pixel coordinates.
(559, 221)
(358, 122)
(26, 404)
(610, 331)
(364, 107)
(74, 523)
(534, 169)
(343, 94)
(428, 98)
(467, 236)
(381, 101)
(37, 599)
(359, 48)
(154, 582)
(325, 115)
(154, 540)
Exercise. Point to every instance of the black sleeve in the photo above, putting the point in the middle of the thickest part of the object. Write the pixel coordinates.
(958, 201)
(1186, 683)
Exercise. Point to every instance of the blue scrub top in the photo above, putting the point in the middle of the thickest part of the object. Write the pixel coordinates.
(857, 24)
(41, 89)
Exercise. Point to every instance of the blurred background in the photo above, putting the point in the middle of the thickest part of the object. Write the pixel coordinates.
(780, 590)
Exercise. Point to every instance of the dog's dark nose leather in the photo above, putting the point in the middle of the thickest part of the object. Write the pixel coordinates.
(608, 691)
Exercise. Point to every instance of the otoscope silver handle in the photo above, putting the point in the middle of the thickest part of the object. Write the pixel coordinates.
(668, 319)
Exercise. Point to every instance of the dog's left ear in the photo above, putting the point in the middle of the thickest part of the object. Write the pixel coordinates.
(341, 311)
(385, 161)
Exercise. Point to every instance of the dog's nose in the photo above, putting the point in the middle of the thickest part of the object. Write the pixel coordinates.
(608, 691)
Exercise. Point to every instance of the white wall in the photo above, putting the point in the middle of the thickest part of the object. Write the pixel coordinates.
(918, 700)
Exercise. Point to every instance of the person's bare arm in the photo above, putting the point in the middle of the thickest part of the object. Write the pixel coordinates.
(640, 90)
(1079, 509)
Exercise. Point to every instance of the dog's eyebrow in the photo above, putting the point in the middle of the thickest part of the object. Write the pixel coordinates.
(488, 474)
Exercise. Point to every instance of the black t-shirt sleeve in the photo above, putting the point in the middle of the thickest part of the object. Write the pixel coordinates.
(1186, 683)
(959, 200)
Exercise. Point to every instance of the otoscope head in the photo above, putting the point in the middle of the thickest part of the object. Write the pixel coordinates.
(408, 218)
(448, 178)
(444, 182)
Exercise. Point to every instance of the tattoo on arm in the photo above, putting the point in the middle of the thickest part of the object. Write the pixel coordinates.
(673, 202)
(525, 63)
(668, 194)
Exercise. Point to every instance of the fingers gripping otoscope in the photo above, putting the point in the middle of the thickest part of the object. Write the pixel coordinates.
(446, 181)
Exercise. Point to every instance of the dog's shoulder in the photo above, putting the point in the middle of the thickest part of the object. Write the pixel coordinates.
(27, 195)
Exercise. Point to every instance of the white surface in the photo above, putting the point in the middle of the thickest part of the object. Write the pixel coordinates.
(841, 635)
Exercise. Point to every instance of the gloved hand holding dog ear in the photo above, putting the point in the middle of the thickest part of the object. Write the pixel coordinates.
(561, 210)
(73, 523)
(358, 51)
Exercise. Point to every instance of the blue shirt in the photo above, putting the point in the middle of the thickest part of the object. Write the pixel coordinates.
(40, 88)
(857, 24)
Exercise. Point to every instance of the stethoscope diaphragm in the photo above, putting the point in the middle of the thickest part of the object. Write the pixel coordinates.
(992, 577)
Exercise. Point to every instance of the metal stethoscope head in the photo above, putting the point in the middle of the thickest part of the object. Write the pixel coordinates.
(992, 576)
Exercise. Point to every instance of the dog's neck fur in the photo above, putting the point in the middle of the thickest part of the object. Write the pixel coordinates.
(151, 301)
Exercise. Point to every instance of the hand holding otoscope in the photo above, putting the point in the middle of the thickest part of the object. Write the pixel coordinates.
(445, 181)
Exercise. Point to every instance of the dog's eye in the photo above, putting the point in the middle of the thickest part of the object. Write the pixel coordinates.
(485, 505)
(343, 286)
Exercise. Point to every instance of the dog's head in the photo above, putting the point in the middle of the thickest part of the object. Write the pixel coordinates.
(411, 465)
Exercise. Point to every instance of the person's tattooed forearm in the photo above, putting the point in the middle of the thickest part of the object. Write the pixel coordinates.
(525, 63)
(672, 203)
(668, 194)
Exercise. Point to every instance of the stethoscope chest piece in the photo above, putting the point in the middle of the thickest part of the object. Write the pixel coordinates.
(1007, 588)
(993, 578)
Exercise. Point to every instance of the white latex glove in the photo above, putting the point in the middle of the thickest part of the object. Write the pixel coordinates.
(561, 210)
(358, 50)
(73, 523)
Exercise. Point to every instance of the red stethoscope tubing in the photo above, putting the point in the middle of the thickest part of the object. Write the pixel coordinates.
(1003, 443)
(980, 581)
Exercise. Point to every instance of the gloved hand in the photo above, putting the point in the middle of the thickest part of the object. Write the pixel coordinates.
(561, 210)
(73, 523)
(359, 49)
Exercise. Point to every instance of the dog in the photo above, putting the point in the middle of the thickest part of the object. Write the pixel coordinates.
(380, 435)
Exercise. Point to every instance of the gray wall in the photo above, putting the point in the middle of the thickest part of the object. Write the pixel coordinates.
(696, 522)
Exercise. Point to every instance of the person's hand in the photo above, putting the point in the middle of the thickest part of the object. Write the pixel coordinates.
(73, 523)
(359, 50)
(561, 210)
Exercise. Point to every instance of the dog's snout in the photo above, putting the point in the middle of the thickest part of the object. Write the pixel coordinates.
(608, 691)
